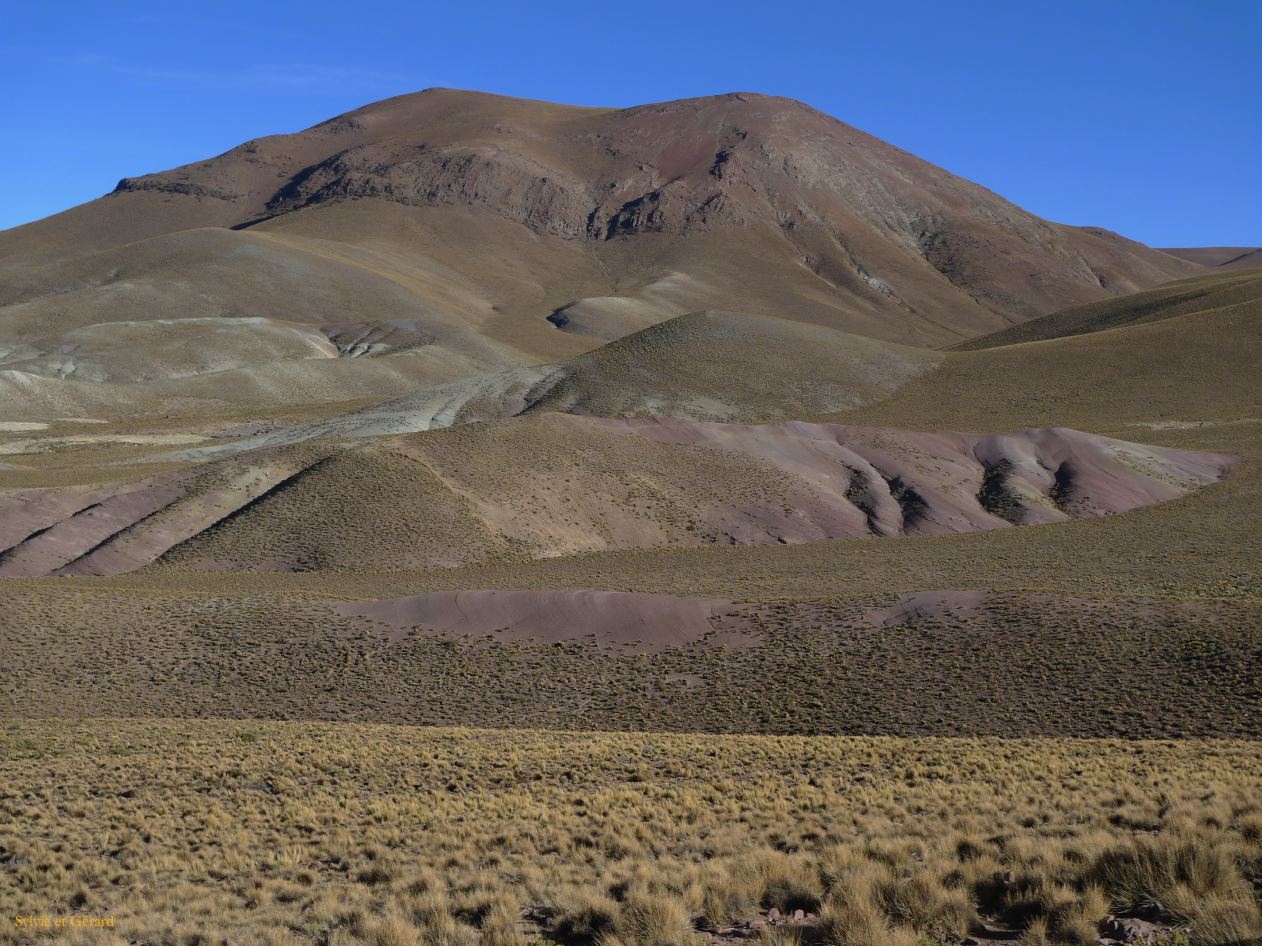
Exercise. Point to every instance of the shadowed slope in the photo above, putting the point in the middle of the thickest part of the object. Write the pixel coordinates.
(1189, 370)
(1234, 297)
(1219, 257)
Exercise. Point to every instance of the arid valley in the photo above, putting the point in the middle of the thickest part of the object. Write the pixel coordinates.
(476, 520)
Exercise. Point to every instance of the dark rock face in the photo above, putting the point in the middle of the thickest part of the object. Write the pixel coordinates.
(514, 186)
(162, 185)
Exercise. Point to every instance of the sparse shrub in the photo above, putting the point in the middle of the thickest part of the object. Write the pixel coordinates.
(652, 920)
(492, 865)
(1144, 874)
(1250, 828)
(860, 922)
(1226, 921)
(730, 894)
(1035, 933)
(848, 876)
(781, 936)
(587, 915)
(789, 882)
(373, 875)
(1077, 921)
(390, 931)
(926, 906)
(500, 925)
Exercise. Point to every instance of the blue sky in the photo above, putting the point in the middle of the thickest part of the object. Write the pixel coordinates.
(1143, 116)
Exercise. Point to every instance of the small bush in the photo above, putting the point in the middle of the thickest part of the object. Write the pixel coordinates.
(648, 920)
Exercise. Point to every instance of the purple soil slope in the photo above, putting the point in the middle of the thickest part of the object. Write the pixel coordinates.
(641, 622)
(790, 482)
(119, 528)
(872, 481)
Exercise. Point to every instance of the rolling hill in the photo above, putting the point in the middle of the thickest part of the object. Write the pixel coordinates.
(553, 485)
(957, 555)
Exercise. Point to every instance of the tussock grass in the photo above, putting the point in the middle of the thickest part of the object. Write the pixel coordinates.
(349, 835)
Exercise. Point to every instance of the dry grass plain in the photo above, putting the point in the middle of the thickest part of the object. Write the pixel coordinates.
(193, 833)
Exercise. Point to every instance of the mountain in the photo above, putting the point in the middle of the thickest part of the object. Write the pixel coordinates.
(437, 236)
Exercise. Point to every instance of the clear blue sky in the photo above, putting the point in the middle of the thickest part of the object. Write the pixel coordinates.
(1144, 116)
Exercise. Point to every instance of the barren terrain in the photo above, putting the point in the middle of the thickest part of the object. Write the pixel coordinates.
(473, 520)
